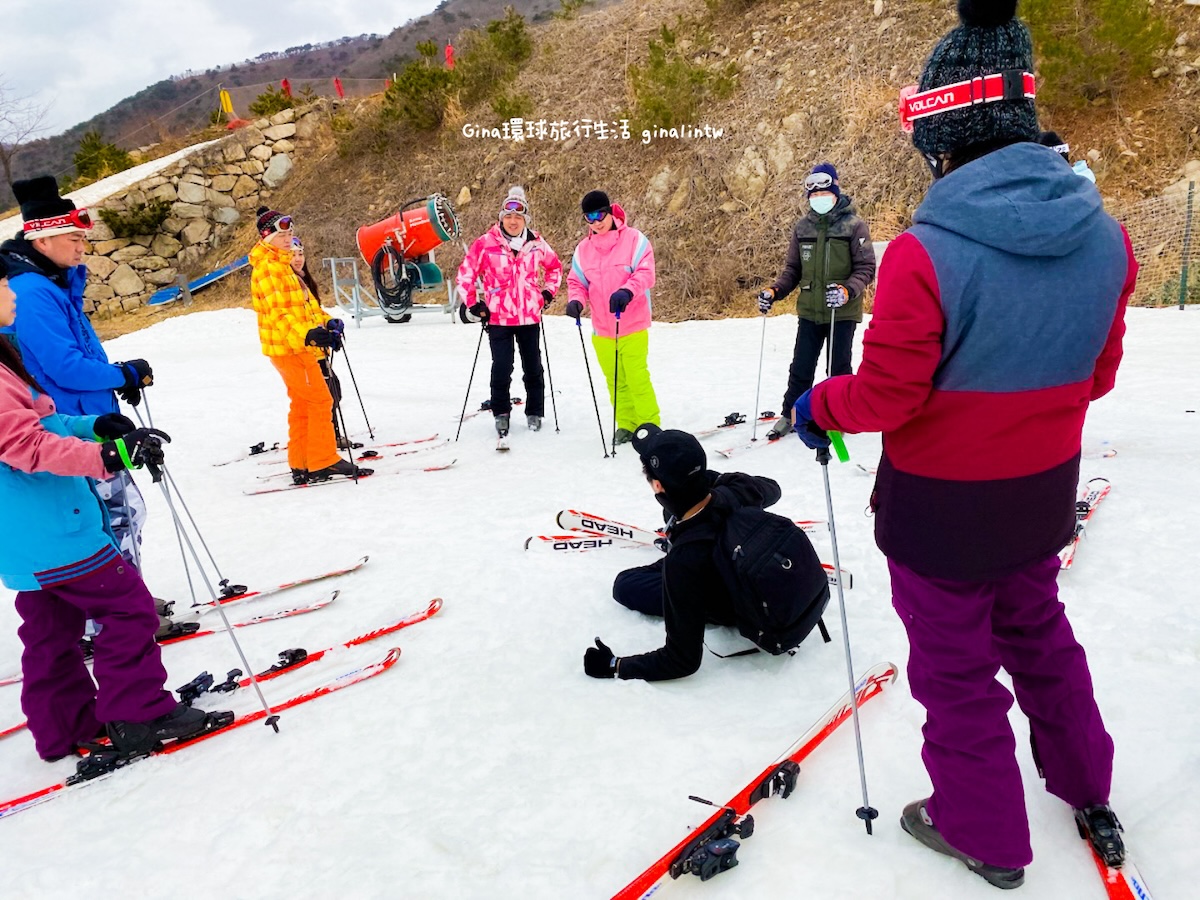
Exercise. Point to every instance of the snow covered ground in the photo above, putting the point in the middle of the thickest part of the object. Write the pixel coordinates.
(486, 764)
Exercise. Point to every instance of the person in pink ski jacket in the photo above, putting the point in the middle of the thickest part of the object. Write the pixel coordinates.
(517, 275)
(612, 271)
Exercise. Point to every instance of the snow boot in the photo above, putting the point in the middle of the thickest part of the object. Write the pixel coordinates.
(534, 422)
(341, 467)
(299, 476)
(1100, 826)
(502, 425)
(623, 436)
(781, 427)
(916, 821)
(180, 724)
(169, 629)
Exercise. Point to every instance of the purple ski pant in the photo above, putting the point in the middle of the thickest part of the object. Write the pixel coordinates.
(960, 634)
(62, 704)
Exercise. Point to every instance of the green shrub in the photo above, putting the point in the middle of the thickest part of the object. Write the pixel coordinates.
(493, 57)
(670, 88)
(1168, 292)
(419, 95)
(140, 219)
(1086, 49)
(512, 106)
(271, 101)
(96, 158)
(570, 9)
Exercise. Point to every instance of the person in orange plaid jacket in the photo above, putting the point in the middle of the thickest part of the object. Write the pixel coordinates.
(296, 336)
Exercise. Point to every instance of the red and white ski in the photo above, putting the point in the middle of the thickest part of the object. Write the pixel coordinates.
(340, 682)
(1125, 883)
(579, 542)
(1090, 496)
(777, 778)
(733, 420)
(240, 596)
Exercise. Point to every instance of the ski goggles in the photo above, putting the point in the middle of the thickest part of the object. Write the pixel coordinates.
(76, 218)
(515, 206)
(283, 223)
(818, 181)
(1011, 84)
(297, 247)
(597, 215)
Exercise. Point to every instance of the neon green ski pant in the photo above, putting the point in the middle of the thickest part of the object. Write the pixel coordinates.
(635, 401)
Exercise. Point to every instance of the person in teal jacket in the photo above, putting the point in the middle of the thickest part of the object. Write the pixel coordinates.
(60, 555)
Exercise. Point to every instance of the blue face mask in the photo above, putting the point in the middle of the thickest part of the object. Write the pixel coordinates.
(822, 205)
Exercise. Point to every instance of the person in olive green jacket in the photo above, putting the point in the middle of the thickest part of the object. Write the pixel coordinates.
(830, 263)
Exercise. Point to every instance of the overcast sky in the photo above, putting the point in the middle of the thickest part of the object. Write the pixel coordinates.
(82, 57)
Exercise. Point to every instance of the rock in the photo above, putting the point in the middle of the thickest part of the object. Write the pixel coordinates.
(100, 231)
(306, 127)
(680, 198)
(165, 192)
(886, 24)
(161, 278)
(278, 168)
(261, 124)
(189, 256)
(196, 232)
(99, 266)
(125, 254)
(196, 177)
(233, 152)
(780, 155)
(135, 198)
(165, 246)
(253, 167)
(1182, 40)
(152, 182)
(171, 225)
(244, 187)
(659, 188)
(149, 264)
(250, 137)
(794, 124)
(1191, 170)
(248, 204)
(216, 198)
(224, 183)
(234, 169)
(463, 198)
(730, 207)
(143, 239)
(96, 292)
(226, 215)
(104, 248)
(878, 8)
(1160, 72)
(262, 152)
(125, 282)
(546, 169)
(284, 146)
(747, 180)
(187, 211)
(191, 192)
(283, 117)
(1093, 156)
(278, 132)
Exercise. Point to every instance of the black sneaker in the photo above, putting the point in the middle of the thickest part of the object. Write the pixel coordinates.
(299, 476)
(916, 821)
(341, 467)
(1100, 826)
(180, 724)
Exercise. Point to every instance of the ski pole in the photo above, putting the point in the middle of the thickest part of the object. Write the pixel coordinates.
(758, 389)
(550, 376)
(463, 414)
(354, 381)
(341, 416)
(157, 473)
(866, 812)
(829, 346)
(616, 379)
(592, 385)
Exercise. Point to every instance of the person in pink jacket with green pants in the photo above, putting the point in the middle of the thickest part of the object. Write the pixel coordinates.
(612, 271)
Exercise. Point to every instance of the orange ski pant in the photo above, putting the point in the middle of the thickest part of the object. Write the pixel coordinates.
(311, 443)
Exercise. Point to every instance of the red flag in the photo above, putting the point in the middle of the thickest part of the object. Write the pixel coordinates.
(449, 55)
(286, 87)
(337, 86)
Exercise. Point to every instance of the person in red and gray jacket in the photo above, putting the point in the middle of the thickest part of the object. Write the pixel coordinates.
(998, 318)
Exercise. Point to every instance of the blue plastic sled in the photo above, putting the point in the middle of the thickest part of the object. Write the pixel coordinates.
(172, 293)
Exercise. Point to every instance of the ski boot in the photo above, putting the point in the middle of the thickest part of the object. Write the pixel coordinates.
(781, 427)
(916, 821)
(502, 425)
(623, 436)
(534, 422)
(1100, 826)
(341, 467)
(299, 476)
(180, 724)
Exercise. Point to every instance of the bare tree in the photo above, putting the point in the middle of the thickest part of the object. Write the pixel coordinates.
(21, 118)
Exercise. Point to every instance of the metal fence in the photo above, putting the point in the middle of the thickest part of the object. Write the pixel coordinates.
(1162, 230)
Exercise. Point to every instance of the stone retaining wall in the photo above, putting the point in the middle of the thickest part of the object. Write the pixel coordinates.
(210, 193)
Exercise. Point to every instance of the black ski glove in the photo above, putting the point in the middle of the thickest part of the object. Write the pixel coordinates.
(599, 661)
(139, 447)
(547, 298)
(111, 425)
(336, 328)
(319, 337)
(138, 375)
(481, 312)
(575, 310)
(619, 300)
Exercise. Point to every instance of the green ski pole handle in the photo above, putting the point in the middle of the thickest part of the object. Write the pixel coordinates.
(839, 446)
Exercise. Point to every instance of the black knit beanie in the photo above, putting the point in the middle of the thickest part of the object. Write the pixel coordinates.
(990, 40)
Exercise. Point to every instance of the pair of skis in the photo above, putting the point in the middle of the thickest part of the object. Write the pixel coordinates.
(290, 661)
(1090, 496)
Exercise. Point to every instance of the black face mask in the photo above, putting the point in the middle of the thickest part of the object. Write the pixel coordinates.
(936, 164)
(666, 504)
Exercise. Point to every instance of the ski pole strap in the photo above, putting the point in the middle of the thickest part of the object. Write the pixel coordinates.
(839, 446)
(124, 453)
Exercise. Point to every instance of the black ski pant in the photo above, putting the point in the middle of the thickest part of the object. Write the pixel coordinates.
(810, 337)
(526, 337)
(335, 391)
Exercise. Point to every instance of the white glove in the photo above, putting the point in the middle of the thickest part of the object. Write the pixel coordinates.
(836, 296)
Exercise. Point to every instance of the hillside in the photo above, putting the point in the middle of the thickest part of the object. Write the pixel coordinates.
(719, 211)
(179, 105)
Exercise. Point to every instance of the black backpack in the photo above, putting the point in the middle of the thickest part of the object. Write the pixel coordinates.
(778, 587)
